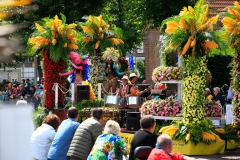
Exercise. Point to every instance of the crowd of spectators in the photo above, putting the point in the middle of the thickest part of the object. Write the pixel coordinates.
(24, 90)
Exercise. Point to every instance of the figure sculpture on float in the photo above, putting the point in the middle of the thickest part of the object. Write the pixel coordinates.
(111, 70)
(80, 72)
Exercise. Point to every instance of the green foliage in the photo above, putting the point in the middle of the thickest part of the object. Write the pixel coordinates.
(231, 132)
(86, 104)
(195, 130)
(141, 66)
(39, 115)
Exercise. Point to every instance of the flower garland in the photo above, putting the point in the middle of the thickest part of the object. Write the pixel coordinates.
(231, 34)
(51, 70)
(162, 73)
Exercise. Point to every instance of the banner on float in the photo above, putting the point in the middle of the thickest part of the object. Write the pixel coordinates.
(199, 149)
(126, 137)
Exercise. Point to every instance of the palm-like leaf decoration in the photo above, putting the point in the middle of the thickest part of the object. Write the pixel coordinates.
(99, 35)
(191, 31)
(55, 35)
(231, 32)
(231, 25)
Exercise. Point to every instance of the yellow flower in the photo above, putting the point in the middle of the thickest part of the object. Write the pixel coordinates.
(40, 28)
(65, 45)
(54, 41)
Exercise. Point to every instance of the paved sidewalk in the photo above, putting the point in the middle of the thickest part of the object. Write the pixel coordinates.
(219, 156)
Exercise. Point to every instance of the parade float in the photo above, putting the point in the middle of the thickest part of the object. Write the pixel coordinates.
(191, 35)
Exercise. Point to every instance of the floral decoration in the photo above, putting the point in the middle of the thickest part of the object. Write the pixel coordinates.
(99, 35)
(191, 34)
(213, 109)
(173, 108)
(162, 73)
(53, 39)
(161, 108)
(231, 30)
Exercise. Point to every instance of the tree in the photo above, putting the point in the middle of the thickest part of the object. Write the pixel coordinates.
(73, 9)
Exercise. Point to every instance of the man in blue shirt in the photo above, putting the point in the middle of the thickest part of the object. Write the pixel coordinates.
(37, 97)
(64, 135)
(27, 86)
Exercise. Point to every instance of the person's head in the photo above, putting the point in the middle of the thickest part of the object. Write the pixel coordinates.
(21, 102)
(207, 91)
(27, 80)
(6, 86)
(23, 80)
(21, 87)
(10, 85)
(41, 88)
(112, 127)
(32, 88)
(52, 120)
(73, 113)
(165, 141)
(144, 81)
(133, 77)
(81, 71)
(216, 90)
(125, 80)
(97, 113)
(14, 86)
(37, 86)
(148, 123)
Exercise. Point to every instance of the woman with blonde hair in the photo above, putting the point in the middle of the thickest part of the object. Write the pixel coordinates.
(109, 146)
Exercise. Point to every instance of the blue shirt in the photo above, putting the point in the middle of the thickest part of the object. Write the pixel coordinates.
(62, 140)
(28, 84)
(38, 91)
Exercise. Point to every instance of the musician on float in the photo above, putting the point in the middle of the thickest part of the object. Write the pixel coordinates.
(111, 70)
(79, 74)
(123, 91)
(133, 88)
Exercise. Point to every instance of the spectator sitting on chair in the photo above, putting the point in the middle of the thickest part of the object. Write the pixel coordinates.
(144, 137)
(163, 150)
(64, 135)
(85, 136)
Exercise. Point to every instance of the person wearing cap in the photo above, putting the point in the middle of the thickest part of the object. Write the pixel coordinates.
(208, 95)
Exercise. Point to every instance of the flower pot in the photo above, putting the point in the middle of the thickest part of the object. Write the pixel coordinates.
(199, 149)
(61, 113)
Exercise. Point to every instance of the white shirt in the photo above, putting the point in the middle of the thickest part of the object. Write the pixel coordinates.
(41, 141)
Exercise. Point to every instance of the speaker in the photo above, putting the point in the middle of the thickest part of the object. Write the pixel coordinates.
(83, 92)
(133, 121)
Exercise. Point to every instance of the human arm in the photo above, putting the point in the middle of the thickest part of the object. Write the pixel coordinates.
(67, 73)
(122, 146)
(117, 71)
(76, 67)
